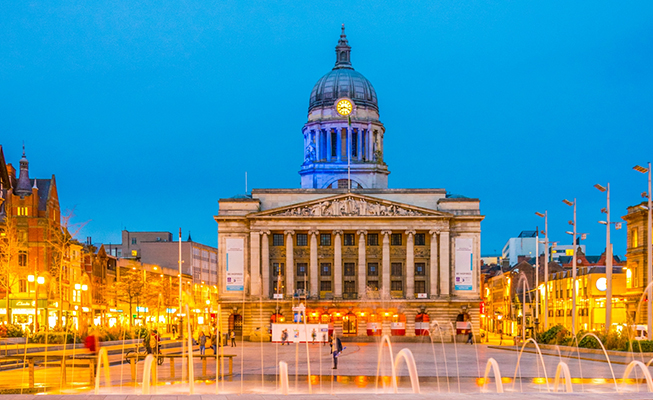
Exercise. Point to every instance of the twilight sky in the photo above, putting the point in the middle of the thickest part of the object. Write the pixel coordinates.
(148, 112)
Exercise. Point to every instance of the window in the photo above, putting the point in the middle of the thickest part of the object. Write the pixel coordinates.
(349, 239)
(277, 269)
(301, 269)
(396, 286)
(325, 269)
(334, 143)
(325, 239)
(373, 285)
(373, 269)
(420, 239)
(300, 285)
(22, 286)
(372, 239)
(396, 269)
(302, 239)
(420, 287)
(22, 211)
(350, 269)
(133, 240)
(278, 287)
(277, 239)
(325, 286)
(629, 278)
(633, 238)
(22, 259)
(420, 269)
(395, 239)
(350, 287)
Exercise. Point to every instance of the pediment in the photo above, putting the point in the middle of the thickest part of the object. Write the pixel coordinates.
(350, 205)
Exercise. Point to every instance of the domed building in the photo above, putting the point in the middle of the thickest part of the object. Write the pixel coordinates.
(343, 138)
(344, 252)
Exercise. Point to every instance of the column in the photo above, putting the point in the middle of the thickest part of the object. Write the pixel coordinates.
(290, 264)
(337, 264)
(313, 269)
(445, 280)
(410, 264)
(385, 254)
(265, 263)
(434, 273)
(328, 146)
(360, 145)
(254, 264)
(318, 146)
(362, 267)
(339, 144)
(368, 132)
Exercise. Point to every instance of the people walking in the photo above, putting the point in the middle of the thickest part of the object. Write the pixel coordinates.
(233, 338)
(284, 336)
(324, 339)
(202, 340)
(314, 335)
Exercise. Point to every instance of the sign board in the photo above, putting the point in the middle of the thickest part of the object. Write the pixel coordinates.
(235, 264)
(277, 296)
(421, 296)
(464, 269)
(482, 308)
(300, 332)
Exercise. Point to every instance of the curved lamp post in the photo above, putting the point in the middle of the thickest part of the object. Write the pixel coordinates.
(649, 250)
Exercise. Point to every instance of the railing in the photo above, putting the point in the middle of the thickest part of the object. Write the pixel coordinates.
(350, 295)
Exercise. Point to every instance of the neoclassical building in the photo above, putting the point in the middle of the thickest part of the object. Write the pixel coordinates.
(358, 255)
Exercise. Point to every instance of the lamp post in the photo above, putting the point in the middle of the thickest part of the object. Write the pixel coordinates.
(649, 250)
(37, 280)
(573, 268)
(608, 258)
(546, 267)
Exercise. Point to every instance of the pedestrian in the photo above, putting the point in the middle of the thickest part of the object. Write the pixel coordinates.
(202, 340)
(336, 350)
(324, 339)
(284, 336)
(469, 332)
(154, 342)
(314, 335)
(233, 338)
(500, 337)
(214, 339)
(330, 344)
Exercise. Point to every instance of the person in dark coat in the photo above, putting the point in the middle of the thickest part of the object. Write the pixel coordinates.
(337, 349)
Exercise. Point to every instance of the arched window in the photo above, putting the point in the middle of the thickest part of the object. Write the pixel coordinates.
(349, 325)
(236, 324)
(343, 56)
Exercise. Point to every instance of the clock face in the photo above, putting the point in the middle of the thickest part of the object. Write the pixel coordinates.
(344, 107)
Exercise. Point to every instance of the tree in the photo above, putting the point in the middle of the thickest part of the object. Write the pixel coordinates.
(13, 258)
(129, 287)
(60, 236)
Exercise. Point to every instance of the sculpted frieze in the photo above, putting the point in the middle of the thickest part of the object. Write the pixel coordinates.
(301, 253)
(422, 252)
(278, 252)
(373, 252)
(349, 206)
(397, 252)
(325, 252)
(350, 252)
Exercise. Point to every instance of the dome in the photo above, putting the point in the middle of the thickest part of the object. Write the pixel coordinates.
(343, 81)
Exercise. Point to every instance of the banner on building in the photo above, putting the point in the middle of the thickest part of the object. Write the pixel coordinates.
(235, 264)
(464, 270)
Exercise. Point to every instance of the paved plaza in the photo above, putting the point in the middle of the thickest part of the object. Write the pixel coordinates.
(446, 369)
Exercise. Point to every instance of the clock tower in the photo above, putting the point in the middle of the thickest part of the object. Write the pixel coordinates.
(343, 138)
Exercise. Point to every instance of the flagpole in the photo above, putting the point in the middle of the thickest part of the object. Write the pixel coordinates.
(349, 154)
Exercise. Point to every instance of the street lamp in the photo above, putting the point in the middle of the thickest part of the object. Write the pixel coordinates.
(573, 268)
(546, 267)
(37, 280)
(608, 256)
(649, 250)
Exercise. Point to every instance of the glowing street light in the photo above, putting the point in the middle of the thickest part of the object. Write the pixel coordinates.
(573, 267)
(546, 266)
(608, 258)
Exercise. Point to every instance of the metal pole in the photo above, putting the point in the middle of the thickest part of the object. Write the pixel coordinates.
(546, 270)
(523, 312)
(608, 267)
(537, 275)
(649, 248)
(573, 279)
(181, 326)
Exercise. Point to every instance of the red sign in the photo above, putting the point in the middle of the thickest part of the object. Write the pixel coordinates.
(482, 308)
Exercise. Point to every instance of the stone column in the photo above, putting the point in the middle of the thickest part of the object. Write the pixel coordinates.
(385, 254)
(339, 146)
(328, 148)
(361, 263)
(434, 272)
(265, 263)
(337, 264)
(445, 267)
(410, 264)
(360, 145)
(313, 269)
(290, 264)
(318, 146)
(254, 263)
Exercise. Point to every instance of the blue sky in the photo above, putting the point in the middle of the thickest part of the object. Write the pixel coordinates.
(148, 112)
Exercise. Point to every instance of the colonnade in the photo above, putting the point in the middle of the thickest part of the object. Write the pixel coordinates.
(439, 264)
(367, 139)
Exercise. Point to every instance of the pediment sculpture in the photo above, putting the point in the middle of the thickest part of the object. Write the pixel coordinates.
(350, 206)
